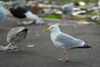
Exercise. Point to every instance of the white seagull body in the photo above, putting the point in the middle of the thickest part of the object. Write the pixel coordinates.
(2, 11)
(30, 15)
(68, 9)
(65, 41)
(22, 13)
(16, 35)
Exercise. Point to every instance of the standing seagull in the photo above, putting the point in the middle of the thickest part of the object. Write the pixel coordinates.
(15, 36)
(65, 41)
(22, 13)
(68, 9)
(2, 11)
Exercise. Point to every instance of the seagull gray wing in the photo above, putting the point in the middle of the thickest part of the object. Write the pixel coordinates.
(68, 41)
(15, 34)
(21, 35)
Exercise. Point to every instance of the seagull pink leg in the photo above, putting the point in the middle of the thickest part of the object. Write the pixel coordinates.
(65, 56)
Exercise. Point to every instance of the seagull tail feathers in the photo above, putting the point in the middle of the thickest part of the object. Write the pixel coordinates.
(86, 46)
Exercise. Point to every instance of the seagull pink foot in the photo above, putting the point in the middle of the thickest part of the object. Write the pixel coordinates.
(62, 59)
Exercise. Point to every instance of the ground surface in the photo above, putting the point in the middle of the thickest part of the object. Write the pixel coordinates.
(44, 53)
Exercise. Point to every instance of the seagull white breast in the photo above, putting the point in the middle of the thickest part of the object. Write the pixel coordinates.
(30, 15)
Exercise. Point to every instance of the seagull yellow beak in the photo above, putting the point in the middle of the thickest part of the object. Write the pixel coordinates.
(46, 30)
(6, 4)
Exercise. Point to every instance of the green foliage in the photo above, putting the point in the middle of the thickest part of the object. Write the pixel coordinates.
(62, 2)
(82, 8)
(52, 16)
(5, 0)
(97, 21)
(93, 14)
(68, 1)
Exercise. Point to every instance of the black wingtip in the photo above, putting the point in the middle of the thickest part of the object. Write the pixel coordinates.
(87, 46)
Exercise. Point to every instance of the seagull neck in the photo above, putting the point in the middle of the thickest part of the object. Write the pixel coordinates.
(56, 32)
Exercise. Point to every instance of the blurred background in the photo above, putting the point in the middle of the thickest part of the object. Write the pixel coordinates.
(88, 10)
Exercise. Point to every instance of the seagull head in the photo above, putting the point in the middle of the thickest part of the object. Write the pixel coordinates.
(53, 28)
(2, 3)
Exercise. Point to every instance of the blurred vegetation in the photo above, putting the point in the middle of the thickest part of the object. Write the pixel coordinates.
(5, 0)
(62, 1)
(52, 16)
(60, 17)
(68, 1)
(93, 14)
(97, 21)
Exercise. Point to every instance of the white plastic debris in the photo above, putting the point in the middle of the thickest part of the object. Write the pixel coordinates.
(30, 45)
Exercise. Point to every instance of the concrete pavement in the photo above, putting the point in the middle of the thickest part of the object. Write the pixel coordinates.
(44, 53)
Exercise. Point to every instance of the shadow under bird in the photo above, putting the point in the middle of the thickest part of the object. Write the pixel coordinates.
(65, 41)
(16, 35)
